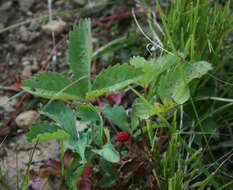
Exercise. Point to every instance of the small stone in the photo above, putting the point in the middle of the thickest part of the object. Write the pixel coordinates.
(26, 119)
(11, 62)
(57, 26)
(59, 3)
(5, 12)
(27, 72)
(29, 13)
(6, 6)
(20, 48)
(2, 26)
(26, 61)
(27, 36)
(6, 104)
(80, 2)
(2, 152)
(34, 25)
(25, 5)
(11, 144)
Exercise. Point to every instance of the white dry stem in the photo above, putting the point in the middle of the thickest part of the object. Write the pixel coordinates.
(53, 34)
(181, 117)
(156, 44)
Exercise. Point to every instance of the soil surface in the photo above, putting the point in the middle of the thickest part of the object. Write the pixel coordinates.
(25, 48)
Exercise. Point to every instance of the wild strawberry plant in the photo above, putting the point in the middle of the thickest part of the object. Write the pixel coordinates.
(74, 118)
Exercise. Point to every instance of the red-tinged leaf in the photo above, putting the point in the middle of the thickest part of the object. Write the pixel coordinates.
(67, 157)
(84, 184)
(152, 182)
(42, 68)
(46, 171)
(37, 182)
(122, 136)
(56, 164)
(100, 107)
(114, 98)
(121, 162)
(86, 171)
(52, 167)
(16, 85)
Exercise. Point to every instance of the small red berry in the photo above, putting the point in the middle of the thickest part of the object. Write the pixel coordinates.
(122, 136)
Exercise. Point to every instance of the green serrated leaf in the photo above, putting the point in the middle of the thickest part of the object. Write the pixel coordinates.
(152, 68)
(138, 61)
(63, 115)
(53, 85)
(118, 116)
(80, 52)
(46, 132)
(114, 78)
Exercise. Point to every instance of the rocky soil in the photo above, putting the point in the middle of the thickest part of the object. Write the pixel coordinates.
(27, 46)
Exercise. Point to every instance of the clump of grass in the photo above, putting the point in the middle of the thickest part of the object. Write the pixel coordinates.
(197, 29)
